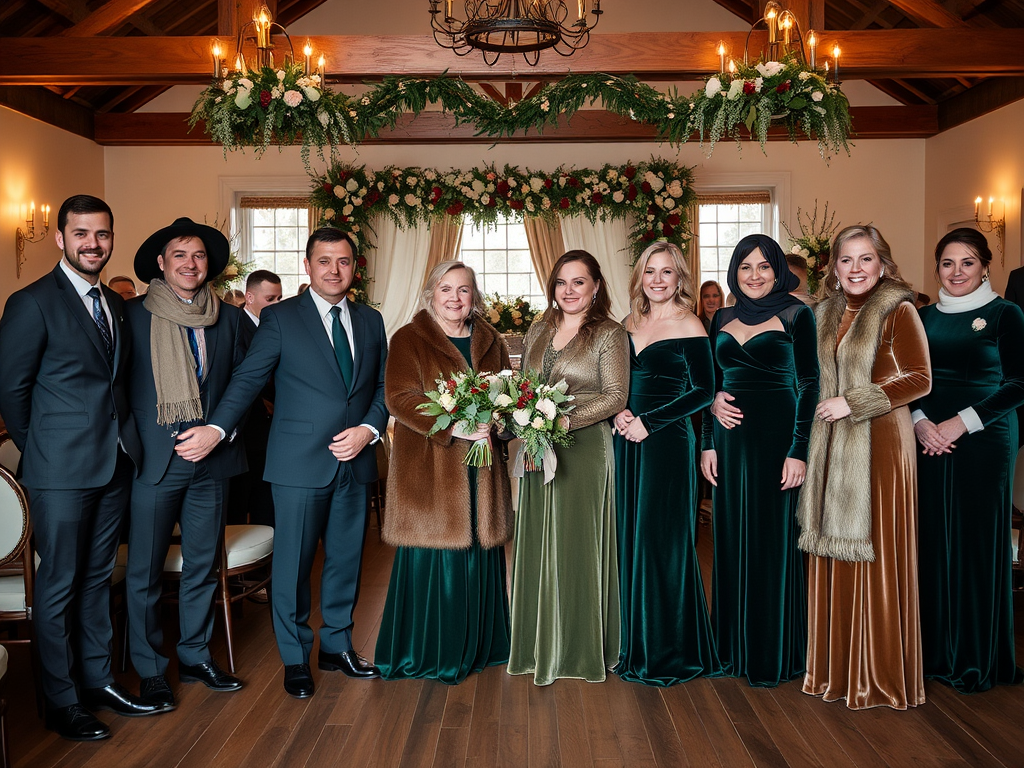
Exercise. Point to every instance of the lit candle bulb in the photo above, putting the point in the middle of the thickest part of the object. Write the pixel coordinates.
(321, 68)
(582, 8)
(835, 63)
(990, 201)
(721, 56)
(770, 18)
(977, 207)
(307, 52)
(787, 25)
(239, 63)
(217, 71)
(732, 67)
(812, 43)
(31, 220)
(447, 10)
(46, 217)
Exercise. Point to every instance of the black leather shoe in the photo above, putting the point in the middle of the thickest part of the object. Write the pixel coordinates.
(298, 681)
(76, 723)
(348, 662)
(116, 699)
(155, 690)
(210, 675)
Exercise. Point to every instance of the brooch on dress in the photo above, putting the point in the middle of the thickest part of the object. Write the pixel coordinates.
(979, 324)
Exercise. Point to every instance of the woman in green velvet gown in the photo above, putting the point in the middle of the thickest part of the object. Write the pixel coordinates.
(755, 449)
(446, 613)
(565, 596)
(967, 427)
(666, 630)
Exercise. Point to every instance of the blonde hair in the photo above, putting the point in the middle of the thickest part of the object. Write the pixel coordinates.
(639, 304)
(702, 313)
(436, 274)
(829, 283)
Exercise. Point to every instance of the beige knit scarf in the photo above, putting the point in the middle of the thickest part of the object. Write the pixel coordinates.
(174, 367)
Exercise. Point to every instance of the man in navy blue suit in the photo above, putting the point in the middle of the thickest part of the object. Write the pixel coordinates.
(327, 357)
(64, 346)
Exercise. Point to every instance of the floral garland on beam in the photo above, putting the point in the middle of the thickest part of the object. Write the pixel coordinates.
(284, 110)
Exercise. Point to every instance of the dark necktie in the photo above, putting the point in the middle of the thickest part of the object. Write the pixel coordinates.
(101, 322)
(193, 344)
(342, 351)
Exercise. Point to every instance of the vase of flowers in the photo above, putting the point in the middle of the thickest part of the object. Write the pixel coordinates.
(814, 243)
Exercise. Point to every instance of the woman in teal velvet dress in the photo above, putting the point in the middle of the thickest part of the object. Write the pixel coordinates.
(967, 427)
(446, 613)
(565, 596)
(755, 449)
(666, 629)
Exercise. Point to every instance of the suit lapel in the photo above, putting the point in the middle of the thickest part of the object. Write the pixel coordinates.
(117, 323)
(358, 334)
(211, 335)
(315, 324)
(77, 308)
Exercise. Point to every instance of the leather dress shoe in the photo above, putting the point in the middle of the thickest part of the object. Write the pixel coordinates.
(298, 681)
(210, 675)
(116, 699)
(76, 723)
(348, 662)
(155, 690)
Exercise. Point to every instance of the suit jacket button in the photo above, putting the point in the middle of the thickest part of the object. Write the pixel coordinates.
(113, 416)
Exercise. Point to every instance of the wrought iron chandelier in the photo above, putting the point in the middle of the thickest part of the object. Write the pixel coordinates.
(494, 27)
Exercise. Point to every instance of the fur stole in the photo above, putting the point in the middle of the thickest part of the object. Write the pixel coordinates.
(835, 502)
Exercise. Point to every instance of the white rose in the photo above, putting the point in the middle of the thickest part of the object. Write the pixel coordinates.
(536, 184)
(351, 185)
(619, 196)
(412, 200)
(227, 85)
(357, 201)
(280, 74)
(339, 191)
(292, 98)
(447, 402)
(713, 87)
(346, 211)
(675, 188)
(243, 98)
(329, 213)
(669, 203)
(758, 82)
(246, 83)
(311, 93)
(817, 95)
(478, 186)
(537, 423)
(412, 181)
(735, 89)
(503, 400)
(521, 416)
(769, 68)
(393, 200)
(547, 407)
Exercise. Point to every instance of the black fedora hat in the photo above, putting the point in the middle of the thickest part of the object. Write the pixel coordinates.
(218, 250)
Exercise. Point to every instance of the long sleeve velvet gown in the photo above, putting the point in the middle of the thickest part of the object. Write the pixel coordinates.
(666, 630)
(759, 594)
(864, 626)
(965, 555)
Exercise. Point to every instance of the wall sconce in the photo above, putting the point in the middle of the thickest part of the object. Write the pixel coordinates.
(29, 234)
(988, 224)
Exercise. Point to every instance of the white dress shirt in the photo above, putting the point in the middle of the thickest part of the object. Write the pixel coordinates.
(83, 286)
(255, 318)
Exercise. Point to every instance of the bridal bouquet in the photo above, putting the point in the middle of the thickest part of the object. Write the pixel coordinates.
(465, 399)
(536, 419)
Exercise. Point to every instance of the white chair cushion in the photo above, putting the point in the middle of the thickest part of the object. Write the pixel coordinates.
(3, 661)
(12, 593)
(12, 519)
(247, 543)
(10, 456)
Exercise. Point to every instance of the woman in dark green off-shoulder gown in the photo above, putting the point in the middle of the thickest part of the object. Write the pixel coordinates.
(666, 630)
(967, 427)
(755, 449)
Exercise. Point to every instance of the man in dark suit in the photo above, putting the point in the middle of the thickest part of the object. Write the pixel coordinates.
(1015, 293)
(327, 356)
(185, 343)
(250, 499)
(62, 396)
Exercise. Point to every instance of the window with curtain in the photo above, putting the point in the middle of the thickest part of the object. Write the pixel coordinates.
(273, 234)
(722, 219)
(500, 254)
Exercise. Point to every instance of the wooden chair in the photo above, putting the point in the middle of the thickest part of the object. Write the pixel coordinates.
(377, 490)
(5, 753)
(244, 549)
(1017, 523)
(10, 456)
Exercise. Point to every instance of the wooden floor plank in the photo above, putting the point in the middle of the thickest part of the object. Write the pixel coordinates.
(421, 743)
(630, 733)
(987, 725)
(514, 727)
(458, 708)
(369, 721)
(913, 737)
(395, 725)
(573, 744)
(485, 725)
(329, 747)
(452, 744)
(797, 707)
(758, 743)
(543, 743)
(304, 738)
(661, 731)
(601, 727)
(720, 729)
(790, 742)
(692, 735)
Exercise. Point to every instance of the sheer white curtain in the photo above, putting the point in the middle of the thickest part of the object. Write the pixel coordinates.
(399, 266)
(608, 242)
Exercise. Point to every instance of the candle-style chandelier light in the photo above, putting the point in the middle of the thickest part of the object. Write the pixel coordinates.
(494, 27)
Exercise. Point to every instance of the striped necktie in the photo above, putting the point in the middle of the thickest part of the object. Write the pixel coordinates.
(100, 317)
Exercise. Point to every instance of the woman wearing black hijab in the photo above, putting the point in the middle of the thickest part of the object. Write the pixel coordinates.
(754, 454)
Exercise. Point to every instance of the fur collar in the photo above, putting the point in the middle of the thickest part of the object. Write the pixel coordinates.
(835, 502)
(484, 337)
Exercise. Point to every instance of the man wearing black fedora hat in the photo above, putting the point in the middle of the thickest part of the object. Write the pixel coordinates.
(185, 343)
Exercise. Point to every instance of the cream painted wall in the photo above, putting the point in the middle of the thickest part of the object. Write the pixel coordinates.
(984, 157)
(45, 164)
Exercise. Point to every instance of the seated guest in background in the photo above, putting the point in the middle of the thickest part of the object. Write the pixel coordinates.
(858, 508)
(327, 356)
(666, 630)
(798, 266)
(303, 287)
(185, 343)
(967, 427)
(64, 346)
(250, 499)
(124, 286)
(709, 301)
(235, 298)
(446, 613)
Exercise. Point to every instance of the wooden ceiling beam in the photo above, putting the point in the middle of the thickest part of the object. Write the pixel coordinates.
(171, 129)
(929, 12)
(49, 108)
(72, 10)
(987, 96)
(875, 54)
(106, 18)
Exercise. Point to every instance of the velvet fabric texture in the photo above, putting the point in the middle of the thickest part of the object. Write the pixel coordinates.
(756, 311)
(565, 598)
(428, 494)
(666, 630)
(446, 612)
(758, 589)
(965, 552)
(864, 627)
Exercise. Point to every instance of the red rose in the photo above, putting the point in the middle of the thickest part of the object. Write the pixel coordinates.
(674, 219)
(574, 182)
(652, 210)
(548, 183)
(372, 197)
(450, 383)
(328, 187)
(454, 209)
(631, 193)
(344, 219)
(515, 205)
(523, 387)
(782, 87)
(503, 188)
(749, 88)
(596, 198)
(342, 175)
(563, 203)
(435, 194)
(648, 236)
(667, 229)
(630, 172)
(361, 261)
(264, 98)
(492, 202)
(646, 188)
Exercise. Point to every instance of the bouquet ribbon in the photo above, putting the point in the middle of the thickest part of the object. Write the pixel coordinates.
(549, 461)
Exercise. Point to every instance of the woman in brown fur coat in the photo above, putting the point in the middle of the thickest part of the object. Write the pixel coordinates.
(858, 507)
(446, 613)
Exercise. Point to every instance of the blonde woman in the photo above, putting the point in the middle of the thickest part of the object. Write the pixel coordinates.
(666, 631)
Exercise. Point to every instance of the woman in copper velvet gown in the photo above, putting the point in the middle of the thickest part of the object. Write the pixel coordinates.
(858, 508)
